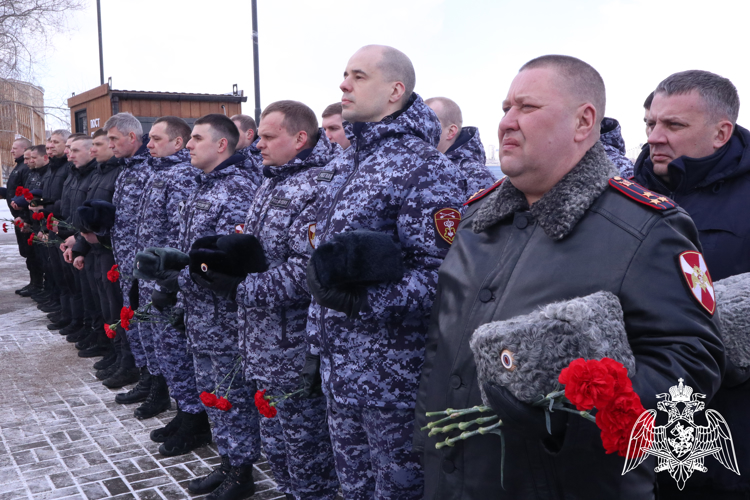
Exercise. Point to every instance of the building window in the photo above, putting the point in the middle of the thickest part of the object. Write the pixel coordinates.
(82, 123)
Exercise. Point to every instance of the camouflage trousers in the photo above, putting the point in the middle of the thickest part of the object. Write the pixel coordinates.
(373, 452)
(297, 445)
(236, 432)
(175, 364)
(142, 351)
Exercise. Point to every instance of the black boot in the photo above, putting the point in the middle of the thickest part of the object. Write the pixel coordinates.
(238, 485)
(158, 400)
(203, 485)
(100, 348)
(194, 432)
(73, 327)
(107, 360)
(163, 433)
(23, 289)
(122, 377)
(107, 372)
(78, 336)
(89, 339)
(139, 392)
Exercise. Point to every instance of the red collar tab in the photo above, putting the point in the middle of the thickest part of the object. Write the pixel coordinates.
(636, 192)
(484, 192)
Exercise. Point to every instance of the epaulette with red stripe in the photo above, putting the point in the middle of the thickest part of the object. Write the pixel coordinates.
(483, 192)
(636, 192)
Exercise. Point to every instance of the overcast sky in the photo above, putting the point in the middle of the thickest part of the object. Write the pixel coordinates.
(468, 50)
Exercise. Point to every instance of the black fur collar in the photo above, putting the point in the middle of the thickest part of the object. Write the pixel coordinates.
(560, 209)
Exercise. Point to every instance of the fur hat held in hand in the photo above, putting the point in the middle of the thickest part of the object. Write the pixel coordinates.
(526, 354)
(97, 215)
(233, 255)
(358, 257)
(733, 304)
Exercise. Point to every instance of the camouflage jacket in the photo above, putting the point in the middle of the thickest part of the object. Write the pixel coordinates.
(273, 305)
(129, 187)
(467, 153)
(253, 162)
(171, 182)
(614, 145)
(392, 180)
(217, 205)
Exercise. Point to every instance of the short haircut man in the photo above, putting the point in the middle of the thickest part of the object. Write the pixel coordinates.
(176, 127)
(124, 133)
(62, 133)
(248, 130)
(450, 118)
(40, 150)
(561, 208)
(99, 133)
(20, 145)
(580, 78)
(126, 123)
(333, 125)
(221, 127)
(297, 117)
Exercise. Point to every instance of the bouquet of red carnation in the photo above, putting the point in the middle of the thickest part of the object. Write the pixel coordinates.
(5, 227)
(128, 315)
(211, 400)
(37, 216)
(604, 385)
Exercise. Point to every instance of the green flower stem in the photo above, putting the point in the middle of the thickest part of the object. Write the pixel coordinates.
(490, 429)
(455, 413)
(279, 399)
(584, 414)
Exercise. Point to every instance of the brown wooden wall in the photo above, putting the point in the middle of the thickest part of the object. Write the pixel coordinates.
(99, 107)
(21, 114)
(183, 109)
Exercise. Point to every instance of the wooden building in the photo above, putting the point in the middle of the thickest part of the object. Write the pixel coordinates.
(21, 115)
(91, 109)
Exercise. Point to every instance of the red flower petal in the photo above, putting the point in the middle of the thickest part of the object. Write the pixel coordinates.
(223, 404)
(209, 399)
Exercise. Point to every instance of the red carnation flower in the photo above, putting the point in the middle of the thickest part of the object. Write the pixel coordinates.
(5, 227)
(223, 404)
(19, 191)
(616, 421)
(27, 195)
(31, 239)
(261, 403)
(209, 399)
(113, 274)
(109, 331)
(588, 384)
(50, 219)
(126, 314)
(37, 216)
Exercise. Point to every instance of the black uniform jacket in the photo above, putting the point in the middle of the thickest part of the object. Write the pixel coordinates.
(507, 259)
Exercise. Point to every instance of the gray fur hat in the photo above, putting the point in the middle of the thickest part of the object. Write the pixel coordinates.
(526, 354)
(733, 304)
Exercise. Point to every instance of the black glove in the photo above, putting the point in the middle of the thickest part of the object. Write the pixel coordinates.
(134, 296)
(223, 285)
(159, 264)
(524, 418)
(177, 320)
(347, 299)
(162, 300)
(309, 378)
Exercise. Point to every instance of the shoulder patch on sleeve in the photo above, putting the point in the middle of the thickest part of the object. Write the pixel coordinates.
(446, 224)
(698, 279)
(483, 192)
(638, 193)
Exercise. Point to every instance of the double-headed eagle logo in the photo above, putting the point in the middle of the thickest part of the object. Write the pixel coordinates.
(680, 445)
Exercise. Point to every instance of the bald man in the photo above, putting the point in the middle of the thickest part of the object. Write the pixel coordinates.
(562, 225)
(461, 145)
(400, 195)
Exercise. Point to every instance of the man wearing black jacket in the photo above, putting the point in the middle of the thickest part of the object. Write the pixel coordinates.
(16, 179)
(698, 156)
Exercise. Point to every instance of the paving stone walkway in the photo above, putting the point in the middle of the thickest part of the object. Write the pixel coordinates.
(61, 433)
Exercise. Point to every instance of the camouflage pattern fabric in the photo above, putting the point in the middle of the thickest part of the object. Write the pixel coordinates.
(298, 447)
(273, 314)
(614, 145)
(467, 153)
(165, 194)
(391, 180)
(235, 431)
(129, 186)
(253, 162)
(217, 205)
(274, 304)
(373, 450)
